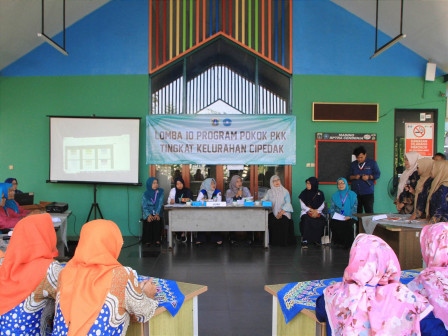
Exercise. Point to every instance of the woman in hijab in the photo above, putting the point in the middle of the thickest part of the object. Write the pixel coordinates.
(28, 277)
(236, 190)
(208, 191)
(152, 202)
(14, 183)
(424, 168)
(370, 300)
(312, 221)
(96, 294)
(437, 205)
(179, 195)
(405, 195)
(432, 282)
(344, 204)
(281, 226)
(10, 211)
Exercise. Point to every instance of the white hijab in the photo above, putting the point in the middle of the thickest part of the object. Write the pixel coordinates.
(412, 157)
(277, 196)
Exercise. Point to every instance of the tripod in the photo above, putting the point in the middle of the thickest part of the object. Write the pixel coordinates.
(95, 206)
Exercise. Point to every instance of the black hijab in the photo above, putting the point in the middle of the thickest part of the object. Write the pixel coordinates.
(312, 198)
(181, 193)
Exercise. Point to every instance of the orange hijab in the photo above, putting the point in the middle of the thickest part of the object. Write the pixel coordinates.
(28, 256)
(87, 278)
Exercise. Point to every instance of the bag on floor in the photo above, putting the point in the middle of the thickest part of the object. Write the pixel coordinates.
(325, 239)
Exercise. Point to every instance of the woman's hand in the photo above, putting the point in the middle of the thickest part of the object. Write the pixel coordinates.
(156, 217)
(185, 199)
(148, 288)
(280, 214)
(239, 193)
(413, 216)
(400, 206)
(150, 218)
(172, 201)
(347, 218)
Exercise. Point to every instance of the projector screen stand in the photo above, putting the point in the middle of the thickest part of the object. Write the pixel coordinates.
(95, 206)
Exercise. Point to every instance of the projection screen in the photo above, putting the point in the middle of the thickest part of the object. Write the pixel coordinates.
(94, 150)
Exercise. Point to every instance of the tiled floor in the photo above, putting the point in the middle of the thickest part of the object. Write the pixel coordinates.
(235, 303)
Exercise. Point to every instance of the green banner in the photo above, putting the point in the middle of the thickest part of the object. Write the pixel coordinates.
(221, 139)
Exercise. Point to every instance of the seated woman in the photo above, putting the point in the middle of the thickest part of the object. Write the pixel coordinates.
(236, 190)
(96, 295)
(371, 300)
(10, 211)
(437, 205)
(281, 226)
(208, 191)
(152, 202)
(424, 168)
(312, 221)
(13, 181)
(179, 194)
(28, 277)
(344, 202)
(405, 197)
(432, 282)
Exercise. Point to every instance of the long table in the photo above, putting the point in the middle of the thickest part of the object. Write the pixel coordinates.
(404, 240)
(60, 225)
(162, 323)
(206, 218)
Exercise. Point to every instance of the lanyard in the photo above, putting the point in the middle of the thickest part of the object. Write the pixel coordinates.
(155, 198)
(361, 167)
(343, 202)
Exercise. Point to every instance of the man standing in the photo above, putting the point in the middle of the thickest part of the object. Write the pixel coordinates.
(363, 173)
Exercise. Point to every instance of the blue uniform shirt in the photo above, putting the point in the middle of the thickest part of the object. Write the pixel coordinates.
(368, 167)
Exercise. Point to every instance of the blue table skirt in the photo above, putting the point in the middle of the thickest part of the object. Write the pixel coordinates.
(168, 294)
(303, 295)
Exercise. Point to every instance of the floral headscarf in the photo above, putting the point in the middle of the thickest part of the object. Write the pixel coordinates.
(371, 300)
(432, 282)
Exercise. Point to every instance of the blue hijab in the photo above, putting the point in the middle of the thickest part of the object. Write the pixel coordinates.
(344, 199)
(150, 193)
(11, 204)
(10, 180)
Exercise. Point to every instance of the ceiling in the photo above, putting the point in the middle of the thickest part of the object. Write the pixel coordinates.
(21, 20)
(425, 24)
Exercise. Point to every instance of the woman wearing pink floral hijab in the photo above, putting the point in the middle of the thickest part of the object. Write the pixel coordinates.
(432, 282)
(371, 300)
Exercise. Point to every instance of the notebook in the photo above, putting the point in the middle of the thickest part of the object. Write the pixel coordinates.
(24, 198)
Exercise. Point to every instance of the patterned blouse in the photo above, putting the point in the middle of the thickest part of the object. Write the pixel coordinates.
(423, 198)
(33, 315)
(438, 205)
(407, 197)
(124, 301)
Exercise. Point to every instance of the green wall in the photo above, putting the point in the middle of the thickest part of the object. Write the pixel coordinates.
(389, 92)
(25, 103)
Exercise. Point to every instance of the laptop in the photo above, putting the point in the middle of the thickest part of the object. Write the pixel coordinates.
(24, 198)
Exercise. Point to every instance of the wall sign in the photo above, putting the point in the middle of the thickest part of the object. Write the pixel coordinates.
(419, 138)
(221, 139)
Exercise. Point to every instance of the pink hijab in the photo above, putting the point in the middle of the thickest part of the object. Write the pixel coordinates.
(371, 300)
(432, 282)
